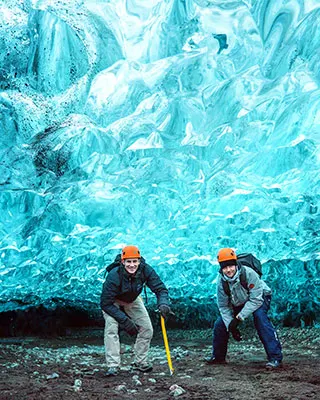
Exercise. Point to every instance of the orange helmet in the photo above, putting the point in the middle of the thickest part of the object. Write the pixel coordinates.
(130, 252)
(227, 257)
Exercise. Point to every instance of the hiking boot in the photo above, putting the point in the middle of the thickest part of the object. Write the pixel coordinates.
(212, 360)
(112, 371)
(142, 367)
(273, 364)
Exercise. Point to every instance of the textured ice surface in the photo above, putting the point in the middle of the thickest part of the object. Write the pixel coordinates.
(179, 126)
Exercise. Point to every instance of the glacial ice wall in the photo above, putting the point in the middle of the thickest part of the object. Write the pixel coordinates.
(180, 126)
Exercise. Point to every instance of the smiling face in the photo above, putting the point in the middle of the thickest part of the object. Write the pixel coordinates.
(131, 265)
(229, 271)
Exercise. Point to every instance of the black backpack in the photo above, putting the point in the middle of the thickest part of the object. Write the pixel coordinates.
(116, 263)
(248, 260)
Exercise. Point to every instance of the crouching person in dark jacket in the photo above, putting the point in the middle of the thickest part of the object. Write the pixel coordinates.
(122, 288)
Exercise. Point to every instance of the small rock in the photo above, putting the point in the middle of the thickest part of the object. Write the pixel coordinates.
(178, 353)
(136, 380)
(53, 376)
(152, 380)
(121, 388)
(176, 390)
(173, 387)
(77, 385)
(125, 349)
(148, 390)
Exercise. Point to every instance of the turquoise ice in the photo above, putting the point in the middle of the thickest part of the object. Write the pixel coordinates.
(178, 126)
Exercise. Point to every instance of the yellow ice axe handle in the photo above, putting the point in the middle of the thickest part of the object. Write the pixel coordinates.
(166, 344)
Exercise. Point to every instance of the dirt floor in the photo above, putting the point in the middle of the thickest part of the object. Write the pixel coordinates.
(73, 368)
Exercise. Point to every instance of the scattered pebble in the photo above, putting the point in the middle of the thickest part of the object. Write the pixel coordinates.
(136, 380)
(77, 385)
(13, 365)
(90, 372)
(178, 353)
(176, 390)
(125, 349)
(53, 376)
(121, 388)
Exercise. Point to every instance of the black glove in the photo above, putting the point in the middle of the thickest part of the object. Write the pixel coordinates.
(165, 310)
(234, 324)
(130, 327)
(233, 328)
(236, 335)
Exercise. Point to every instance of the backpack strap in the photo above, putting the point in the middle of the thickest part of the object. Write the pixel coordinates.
(144, 278)
(243, 278)
(226, 288)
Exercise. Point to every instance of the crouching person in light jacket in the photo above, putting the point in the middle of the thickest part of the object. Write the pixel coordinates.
(241, 293)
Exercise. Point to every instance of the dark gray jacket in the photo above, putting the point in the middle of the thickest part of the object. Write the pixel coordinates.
(119, 285)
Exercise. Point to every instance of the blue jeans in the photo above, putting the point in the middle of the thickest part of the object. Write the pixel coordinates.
(264, 327)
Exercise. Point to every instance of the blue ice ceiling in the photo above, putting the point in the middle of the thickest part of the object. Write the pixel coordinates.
(178, 126)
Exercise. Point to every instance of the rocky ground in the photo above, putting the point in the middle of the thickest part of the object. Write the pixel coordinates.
(73, 367)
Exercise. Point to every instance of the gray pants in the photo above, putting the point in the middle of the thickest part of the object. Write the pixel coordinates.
(139, 315)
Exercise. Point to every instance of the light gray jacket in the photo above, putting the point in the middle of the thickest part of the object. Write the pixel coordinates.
(252, 298)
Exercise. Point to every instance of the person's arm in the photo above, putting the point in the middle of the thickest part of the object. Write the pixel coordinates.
(108, 297)
(155, 284)
(224, 304)
(255, 289)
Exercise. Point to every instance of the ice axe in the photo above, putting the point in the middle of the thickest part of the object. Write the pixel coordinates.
(166, 344)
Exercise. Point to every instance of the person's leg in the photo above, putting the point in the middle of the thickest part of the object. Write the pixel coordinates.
(139, 315)
(111, 342)
(267, 332)
(220, 340)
